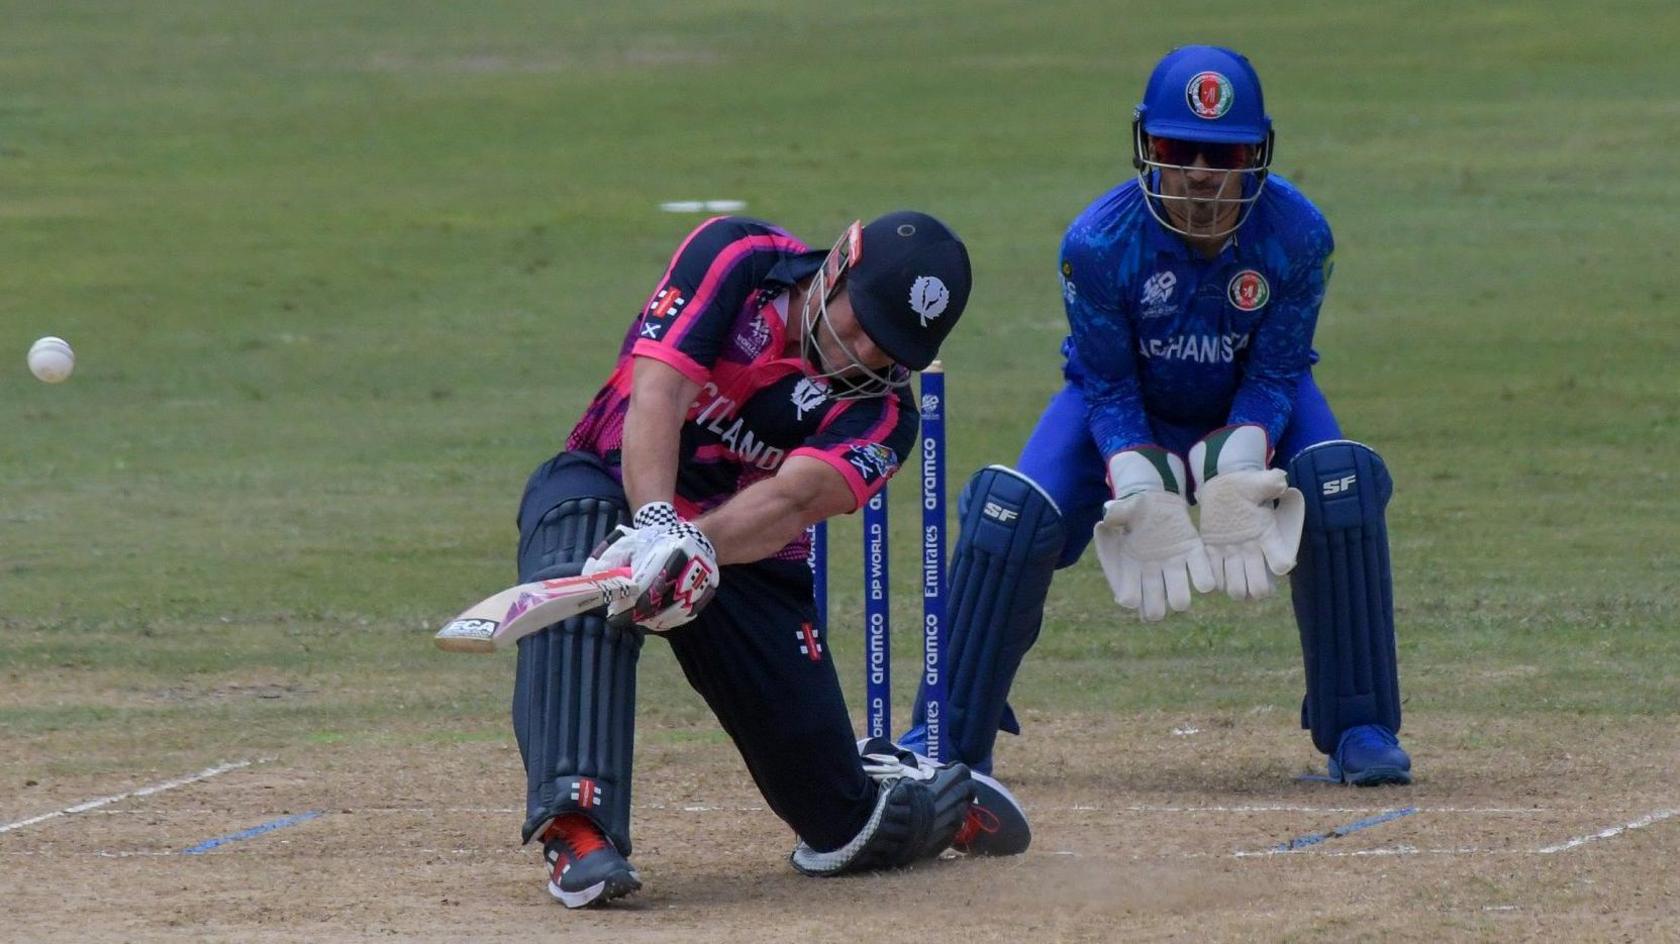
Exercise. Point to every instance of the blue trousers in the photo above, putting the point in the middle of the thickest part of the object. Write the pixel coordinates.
(1064, 460)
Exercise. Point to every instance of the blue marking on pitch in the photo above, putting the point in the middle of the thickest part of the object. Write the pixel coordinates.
(267, 827)
(1313, 839)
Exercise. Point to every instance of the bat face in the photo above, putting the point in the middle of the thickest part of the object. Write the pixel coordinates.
(503, 619)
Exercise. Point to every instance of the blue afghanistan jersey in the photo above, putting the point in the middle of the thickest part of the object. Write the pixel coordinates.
(1161, 333)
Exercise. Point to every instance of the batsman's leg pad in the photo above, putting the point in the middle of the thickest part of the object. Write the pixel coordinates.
(570, 504)
(915, 818)
(574, 694)
(1012, 535)
(1343, 592)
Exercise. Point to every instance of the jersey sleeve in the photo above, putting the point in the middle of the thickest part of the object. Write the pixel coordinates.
(1282, 348)
(688, 318)
(1102, 342)
(865, 440)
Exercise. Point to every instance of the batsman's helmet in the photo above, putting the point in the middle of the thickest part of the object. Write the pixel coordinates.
(907, 276)
(910, 285)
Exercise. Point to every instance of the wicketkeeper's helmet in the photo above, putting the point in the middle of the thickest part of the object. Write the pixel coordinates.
(1206, 95)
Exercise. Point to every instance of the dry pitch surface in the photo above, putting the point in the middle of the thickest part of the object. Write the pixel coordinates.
(1147, 828)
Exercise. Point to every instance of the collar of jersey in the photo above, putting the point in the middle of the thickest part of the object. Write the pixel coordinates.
(792, 268)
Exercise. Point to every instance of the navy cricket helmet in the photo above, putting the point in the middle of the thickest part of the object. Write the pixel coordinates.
(909, 285)
(1202, 103)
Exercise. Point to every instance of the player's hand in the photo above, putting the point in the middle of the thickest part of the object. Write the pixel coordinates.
(1149, 550)
(1251, 524)
(675, 566)
(1250, 518)
(619, 548)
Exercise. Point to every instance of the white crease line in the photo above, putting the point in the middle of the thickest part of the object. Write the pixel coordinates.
(515, 851)
(1639, 823)
(1290, 808)
(205, 774)
(335, 810)
(1380, 851)
(1308, 851)
(1134, 857)
(95, 853)
(666, 807)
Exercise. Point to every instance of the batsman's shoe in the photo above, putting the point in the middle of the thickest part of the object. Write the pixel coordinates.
(583, 867)
(995, 824)
(1369, 755)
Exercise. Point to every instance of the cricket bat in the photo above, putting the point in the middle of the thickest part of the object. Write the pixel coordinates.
(502, 620)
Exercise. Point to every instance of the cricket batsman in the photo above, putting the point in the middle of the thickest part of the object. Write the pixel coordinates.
(1192, 292)
(761, 389)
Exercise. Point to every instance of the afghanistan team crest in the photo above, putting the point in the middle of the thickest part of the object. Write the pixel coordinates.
(1248, 291)
(1209, 95)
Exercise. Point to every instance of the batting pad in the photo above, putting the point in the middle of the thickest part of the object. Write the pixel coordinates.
(574, 697)
(1006, 552)
(1343, 592)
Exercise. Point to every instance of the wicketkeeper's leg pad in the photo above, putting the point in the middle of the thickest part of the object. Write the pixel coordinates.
(574, 695)
(1343, 591)
(1011, 537)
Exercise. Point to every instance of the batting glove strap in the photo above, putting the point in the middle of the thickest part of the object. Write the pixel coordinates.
(684, 529)
(660, 515)
(663, 517)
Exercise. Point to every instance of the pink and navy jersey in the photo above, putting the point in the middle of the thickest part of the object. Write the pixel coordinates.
(719, 315)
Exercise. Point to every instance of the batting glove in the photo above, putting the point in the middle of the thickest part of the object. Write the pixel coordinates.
(676, 567)
(619, 548)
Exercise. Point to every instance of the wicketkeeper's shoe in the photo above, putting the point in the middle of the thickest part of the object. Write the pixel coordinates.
(1369, 755)
(995, 825)
(583, 867)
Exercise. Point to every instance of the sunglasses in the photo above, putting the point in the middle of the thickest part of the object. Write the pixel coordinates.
(1218, 156)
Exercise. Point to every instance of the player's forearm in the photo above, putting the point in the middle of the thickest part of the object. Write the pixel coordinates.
(770, 514)
(1267, 405)
(1270, 383)
(659, 401)
(1115, 416)
(1113, 394)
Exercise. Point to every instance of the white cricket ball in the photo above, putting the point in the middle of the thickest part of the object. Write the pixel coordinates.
(51, 360)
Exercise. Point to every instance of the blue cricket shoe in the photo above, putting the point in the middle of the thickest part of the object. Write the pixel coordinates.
(1369, 755)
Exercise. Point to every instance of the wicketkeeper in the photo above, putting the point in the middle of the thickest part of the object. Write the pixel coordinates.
(1192, 293)
(762, 389)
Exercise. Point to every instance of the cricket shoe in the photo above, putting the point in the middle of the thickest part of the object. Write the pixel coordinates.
(583, 867)
(995, 824)
(1369, 755)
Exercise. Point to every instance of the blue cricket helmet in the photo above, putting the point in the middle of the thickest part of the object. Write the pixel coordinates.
(1205, 93)
(1210, 97)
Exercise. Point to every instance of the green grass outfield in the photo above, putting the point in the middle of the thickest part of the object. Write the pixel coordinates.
(338, 280)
